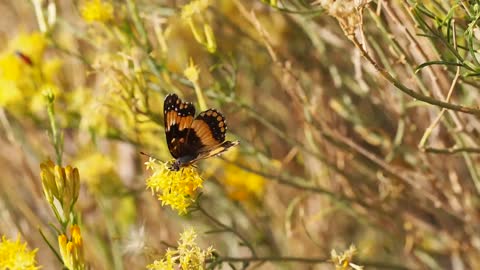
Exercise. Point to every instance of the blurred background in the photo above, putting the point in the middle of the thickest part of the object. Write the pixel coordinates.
(357, 120)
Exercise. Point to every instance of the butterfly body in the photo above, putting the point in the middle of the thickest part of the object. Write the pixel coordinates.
(191, 138)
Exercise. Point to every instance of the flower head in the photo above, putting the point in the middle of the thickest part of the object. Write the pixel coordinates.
(186, 256)
(192, 72)
(174, 188)
(97, 11)
(16, 256)
(71, 249)
(347, 12)
(194, 7)
(344, 261)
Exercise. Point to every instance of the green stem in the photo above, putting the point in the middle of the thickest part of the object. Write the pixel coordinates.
(133, 10)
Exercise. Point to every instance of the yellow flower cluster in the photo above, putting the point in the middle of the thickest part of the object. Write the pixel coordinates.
(174, 188)
(60, 184)
(24, 74)
(344, 261)
(16, 256)
(186, 256)
(72, 250)
(97, 11)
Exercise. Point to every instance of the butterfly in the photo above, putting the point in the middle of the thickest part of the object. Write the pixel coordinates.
(191, 138)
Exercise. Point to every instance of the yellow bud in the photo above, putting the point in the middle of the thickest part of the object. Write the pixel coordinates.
(62, 244)
(76, 184)
(210, 36)
(68, 190)
(49, 186)
(60, 180)
(48, 181)
(72, 251)
(70, 247)
(191, 72)
(76, 236)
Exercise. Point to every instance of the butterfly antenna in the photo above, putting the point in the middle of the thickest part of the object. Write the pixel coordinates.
(148, 155)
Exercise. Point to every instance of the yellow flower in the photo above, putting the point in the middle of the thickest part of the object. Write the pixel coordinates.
(37, 102)
(72, 250)
(97, 11)
(188, 255)
(10, 67)
(100, 173)
(191, 72)
(61, 184)
(11, 73)
(10, 93)
(174, 188)
(24, 72)
(240, 184)
(194, 7)
(344, 261)
(31, 45)
(16, 256)
(208, 37)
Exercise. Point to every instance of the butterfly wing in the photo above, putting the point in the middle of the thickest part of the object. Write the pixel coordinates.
(211, 151)
(178, 118)
(207, 135)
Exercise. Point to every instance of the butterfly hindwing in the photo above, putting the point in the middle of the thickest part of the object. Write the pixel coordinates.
(210, 127)
(178, 117)
(211, 151)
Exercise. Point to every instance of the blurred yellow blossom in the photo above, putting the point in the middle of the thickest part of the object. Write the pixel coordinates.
(24, 72)
(97, 11)
(100, 174)
(37, 104)
(240, 184)
(192, 72)
(194, 7)
(174, 188)
(344, 261)
(71, 249)
(16, 256)
(31, 45)
(186, 256)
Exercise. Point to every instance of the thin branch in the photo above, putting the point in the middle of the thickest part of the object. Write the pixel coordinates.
(429, 130)
(411, 92)
(452, 150)
(226, 228)
(307, 260)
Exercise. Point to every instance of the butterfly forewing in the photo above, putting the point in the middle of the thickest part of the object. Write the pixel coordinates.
(178, 117)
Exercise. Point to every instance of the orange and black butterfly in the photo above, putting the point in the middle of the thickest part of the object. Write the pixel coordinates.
(191, 138)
